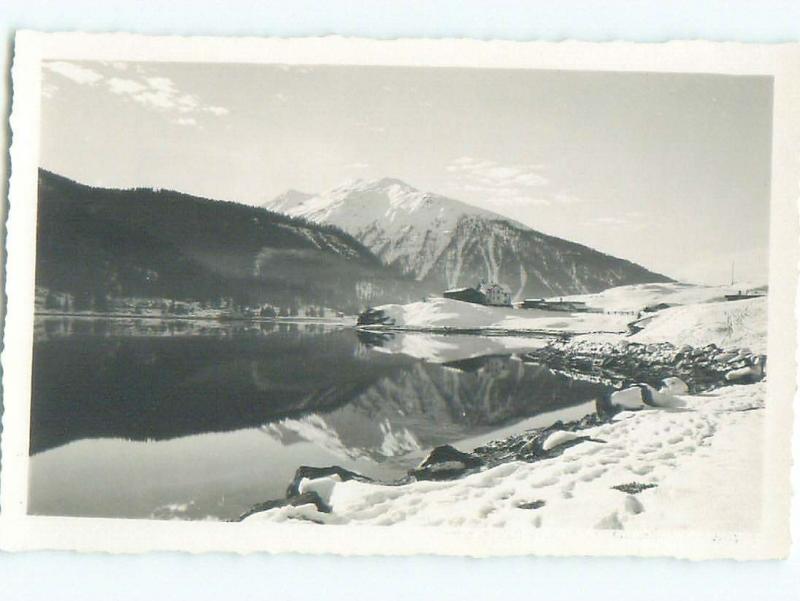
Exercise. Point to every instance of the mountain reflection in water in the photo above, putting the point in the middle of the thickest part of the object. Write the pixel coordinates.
(129, 422)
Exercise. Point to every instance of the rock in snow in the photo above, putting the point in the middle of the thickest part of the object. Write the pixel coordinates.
(629, 398)
(306, 499)
(743, 373)
(674, 386)
(306, 473)
(321, 486)
(445, 462)
(558, 438)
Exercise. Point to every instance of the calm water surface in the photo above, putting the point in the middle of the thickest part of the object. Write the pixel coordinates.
(198, 420)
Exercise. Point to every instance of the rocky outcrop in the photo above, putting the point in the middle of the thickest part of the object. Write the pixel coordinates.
(309, 498)
(446, 463)
(536, 445)
(305, 472)
(296, 496)
(625, 364)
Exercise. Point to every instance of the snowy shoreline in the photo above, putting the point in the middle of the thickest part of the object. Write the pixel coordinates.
(624, 420)
(628, 472)
(628, 468)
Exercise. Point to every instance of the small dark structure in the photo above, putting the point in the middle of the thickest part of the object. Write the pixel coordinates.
(656, 307)
(559, 305)
(468, 295)
(742, 296)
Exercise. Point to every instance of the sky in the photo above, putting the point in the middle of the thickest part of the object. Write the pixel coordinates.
(671, 171)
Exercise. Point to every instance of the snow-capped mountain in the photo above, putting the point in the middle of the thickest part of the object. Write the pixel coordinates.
(447, 243)
(400, 224)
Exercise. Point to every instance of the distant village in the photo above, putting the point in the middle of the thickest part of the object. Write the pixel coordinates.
(62, 303)
(497, 295)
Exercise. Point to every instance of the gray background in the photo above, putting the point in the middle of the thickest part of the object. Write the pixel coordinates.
(174, 576)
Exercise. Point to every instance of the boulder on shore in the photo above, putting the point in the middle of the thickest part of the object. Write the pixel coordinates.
(628, 398)
(558, 438)
(308, 498)
(305, 472)
(444, 463)
(674, 385)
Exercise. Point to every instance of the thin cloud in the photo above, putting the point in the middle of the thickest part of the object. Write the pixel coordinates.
(76, 73)
(503, 184)
(151, 91)
(357, 165)
(162, 84)
(119, 85)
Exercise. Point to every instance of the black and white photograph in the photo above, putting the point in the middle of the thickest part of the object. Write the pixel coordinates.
(402, 295)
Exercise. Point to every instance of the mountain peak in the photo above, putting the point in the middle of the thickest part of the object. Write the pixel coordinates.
(435, 238)
(287, 201)
(375, 184)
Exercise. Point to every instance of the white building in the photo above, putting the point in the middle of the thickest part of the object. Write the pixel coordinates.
(496, 294)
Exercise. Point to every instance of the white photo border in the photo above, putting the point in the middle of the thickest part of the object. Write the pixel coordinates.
(19, 531)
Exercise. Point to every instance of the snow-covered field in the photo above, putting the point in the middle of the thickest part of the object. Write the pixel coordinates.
(698, 318)
(702, 460)
(727, 324)
(637, 296)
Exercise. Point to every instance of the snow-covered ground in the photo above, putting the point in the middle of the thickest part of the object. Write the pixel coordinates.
(697, 318)
(702, 461)
(727, 324)
(637, 296)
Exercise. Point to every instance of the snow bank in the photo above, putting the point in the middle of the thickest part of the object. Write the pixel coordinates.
(733, 324)
(439, 313)
(444, 313)
(638, 296)
(702, 463)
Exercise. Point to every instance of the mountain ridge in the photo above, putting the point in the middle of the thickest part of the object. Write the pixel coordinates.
(100, 243)
(444, 242)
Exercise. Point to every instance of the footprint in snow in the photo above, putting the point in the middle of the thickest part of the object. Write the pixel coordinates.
(610, 522)
(593, 474)
(633, 505)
